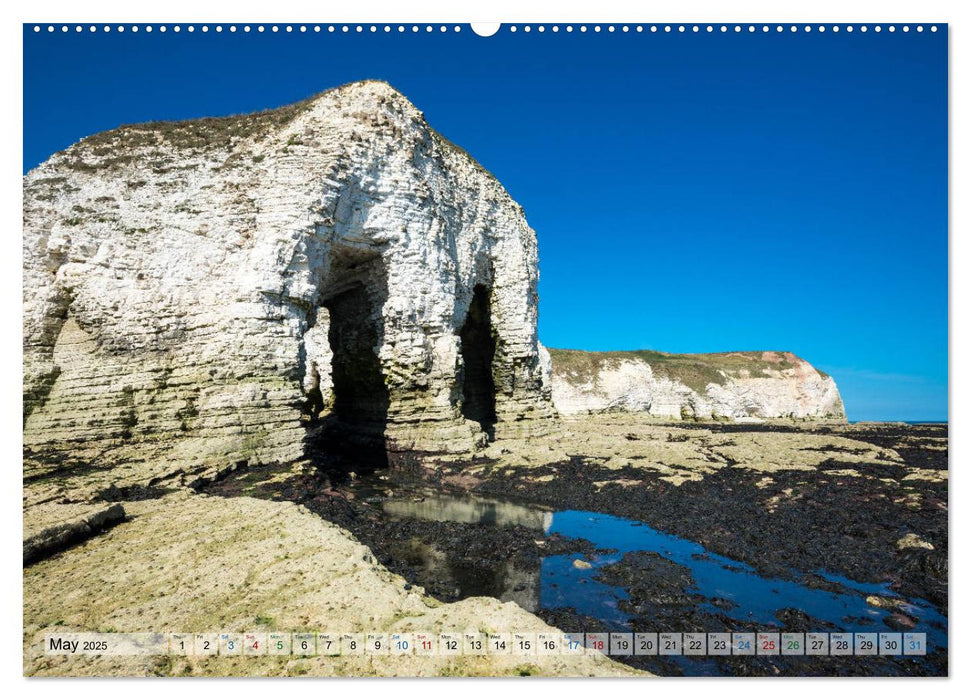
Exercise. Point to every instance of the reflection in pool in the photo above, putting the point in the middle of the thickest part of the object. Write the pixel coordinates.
(757, 599)
(559, 584)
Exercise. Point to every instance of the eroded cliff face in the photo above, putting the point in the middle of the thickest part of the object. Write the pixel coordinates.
(215, 290)
(735, 386)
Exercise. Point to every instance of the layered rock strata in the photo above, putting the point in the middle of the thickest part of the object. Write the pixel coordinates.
(735, 386)
(215, 290)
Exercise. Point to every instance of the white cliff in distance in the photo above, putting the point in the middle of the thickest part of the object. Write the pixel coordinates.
(736, 386)
(332, 273)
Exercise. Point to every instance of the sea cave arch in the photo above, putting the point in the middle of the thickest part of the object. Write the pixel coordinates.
(348, 397)
(478, 348)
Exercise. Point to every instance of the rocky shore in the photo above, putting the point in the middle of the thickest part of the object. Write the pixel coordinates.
(306, 545)
(830, 508)
(187, 562)
(282, 373)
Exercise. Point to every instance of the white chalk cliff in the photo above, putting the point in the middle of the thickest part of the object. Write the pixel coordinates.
(211, 290)
(735, 386)
(333, 272)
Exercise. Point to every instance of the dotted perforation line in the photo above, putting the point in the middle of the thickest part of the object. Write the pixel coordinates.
(247, 28)
(512, 29)
(723, 28)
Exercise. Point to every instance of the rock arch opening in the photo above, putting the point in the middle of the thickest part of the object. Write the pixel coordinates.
(347, 394)
(360, 395)
(478, 347)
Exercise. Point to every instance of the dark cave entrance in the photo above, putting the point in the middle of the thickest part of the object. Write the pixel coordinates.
(361, 397)
(478, 352)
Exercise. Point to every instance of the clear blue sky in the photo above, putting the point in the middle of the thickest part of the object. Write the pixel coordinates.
(691, 192)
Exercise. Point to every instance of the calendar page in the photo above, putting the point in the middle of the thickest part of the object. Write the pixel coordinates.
(551, 349)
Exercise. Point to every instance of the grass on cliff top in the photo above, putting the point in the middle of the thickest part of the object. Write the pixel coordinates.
(195, 133)
(117, 146)
(449, 144)
(695, 371)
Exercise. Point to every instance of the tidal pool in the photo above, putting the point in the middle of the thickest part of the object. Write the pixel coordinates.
(722, 586)
(756, 599)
